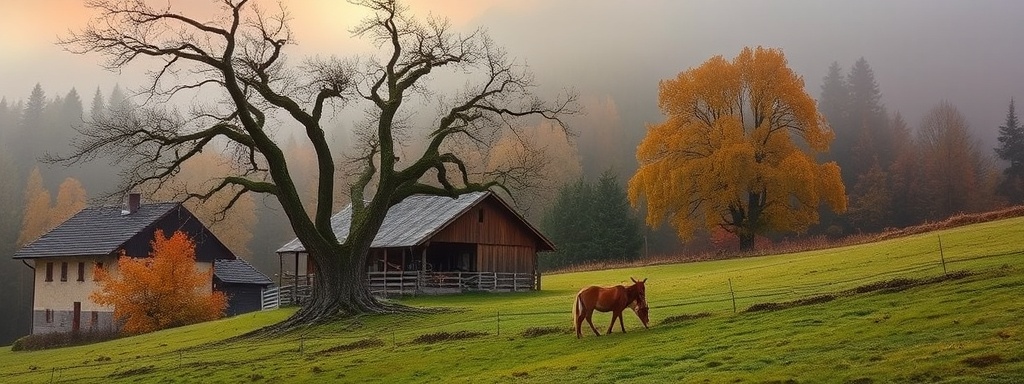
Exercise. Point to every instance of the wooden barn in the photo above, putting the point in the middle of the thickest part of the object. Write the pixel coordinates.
(437, 244)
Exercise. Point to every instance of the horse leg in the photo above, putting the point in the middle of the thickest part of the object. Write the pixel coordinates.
(620, 323)
(591, 322)
(615, 314)
(579, 322)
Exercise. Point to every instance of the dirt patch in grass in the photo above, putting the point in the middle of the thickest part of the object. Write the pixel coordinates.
(358, 344)
(541, 331)
(132, 372)
(893, 285)
(902, 283)
(440, 337)
(763, 307)
(684, 317)
(983, 360)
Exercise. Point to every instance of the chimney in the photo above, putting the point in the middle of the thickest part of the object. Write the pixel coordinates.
(134, 199)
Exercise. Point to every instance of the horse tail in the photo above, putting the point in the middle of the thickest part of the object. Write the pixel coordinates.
(576, 313)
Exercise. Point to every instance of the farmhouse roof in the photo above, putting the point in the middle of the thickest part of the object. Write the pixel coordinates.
(414, 220)
(238, 271)
(95, 231)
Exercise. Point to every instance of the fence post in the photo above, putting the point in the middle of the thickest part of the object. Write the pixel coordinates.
(733, 294)
(942, 256)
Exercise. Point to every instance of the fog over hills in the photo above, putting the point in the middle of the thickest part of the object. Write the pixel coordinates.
(922, 52)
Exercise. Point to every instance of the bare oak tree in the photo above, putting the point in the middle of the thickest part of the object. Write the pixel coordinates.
(239, 56)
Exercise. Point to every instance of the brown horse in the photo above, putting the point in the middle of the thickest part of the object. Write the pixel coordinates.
(614, 299)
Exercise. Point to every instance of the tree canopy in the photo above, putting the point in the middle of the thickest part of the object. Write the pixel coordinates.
(737, 151)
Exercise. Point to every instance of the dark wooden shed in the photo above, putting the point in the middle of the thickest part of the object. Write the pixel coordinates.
(242, 283)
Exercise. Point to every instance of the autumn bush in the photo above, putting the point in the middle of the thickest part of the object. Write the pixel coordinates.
(161, 291)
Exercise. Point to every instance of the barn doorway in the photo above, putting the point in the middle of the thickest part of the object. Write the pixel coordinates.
(452, 257)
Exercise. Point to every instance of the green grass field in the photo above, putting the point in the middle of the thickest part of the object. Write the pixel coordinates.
(968, 329)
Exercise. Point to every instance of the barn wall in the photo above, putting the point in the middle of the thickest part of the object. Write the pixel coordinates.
(499, 227)
(504, 242)
(505, 258)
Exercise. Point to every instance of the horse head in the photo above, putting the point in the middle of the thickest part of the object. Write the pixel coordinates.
(640, 304)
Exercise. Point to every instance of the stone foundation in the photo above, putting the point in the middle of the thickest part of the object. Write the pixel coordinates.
(61, 321)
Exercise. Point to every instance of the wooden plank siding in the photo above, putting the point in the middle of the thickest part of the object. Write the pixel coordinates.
(498, 227)
(504, 244)
(505, 258)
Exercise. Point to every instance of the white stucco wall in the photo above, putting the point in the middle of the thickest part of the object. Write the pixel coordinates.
(59, 296)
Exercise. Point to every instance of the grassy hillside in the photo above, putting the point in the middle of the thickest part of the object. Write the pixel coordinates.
(965, 329)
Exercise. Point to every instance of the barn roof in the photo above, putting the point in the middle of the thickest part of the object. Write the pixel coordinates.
(413, 221)
(95, 231)
(238, 271)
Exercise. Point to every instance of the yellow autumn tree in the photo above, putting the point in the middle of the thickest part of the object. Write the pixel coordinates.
(39, 217)
(161, 291)
(36, 218)
(737, 151)
(71, 198)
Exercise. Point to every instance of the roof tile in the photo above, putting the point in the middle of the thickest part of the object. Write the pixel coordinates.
(94, 231)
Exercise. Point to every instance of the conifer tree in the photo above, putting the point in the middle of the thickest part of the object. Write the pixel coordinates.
(1011, 149)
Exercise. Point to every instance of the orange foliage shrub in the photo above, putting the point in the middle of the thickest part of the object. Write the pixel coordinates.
(161, 291)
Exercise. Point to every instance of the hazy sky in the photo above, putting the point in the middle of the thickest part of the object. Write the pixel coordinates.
(970, 53)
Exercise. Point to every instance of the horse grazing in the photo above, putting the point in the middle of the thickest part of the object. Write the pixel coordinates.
(614, 299)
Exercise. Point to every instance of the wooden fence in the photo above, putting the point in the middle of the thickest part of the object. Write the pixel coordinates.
(383, 284)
